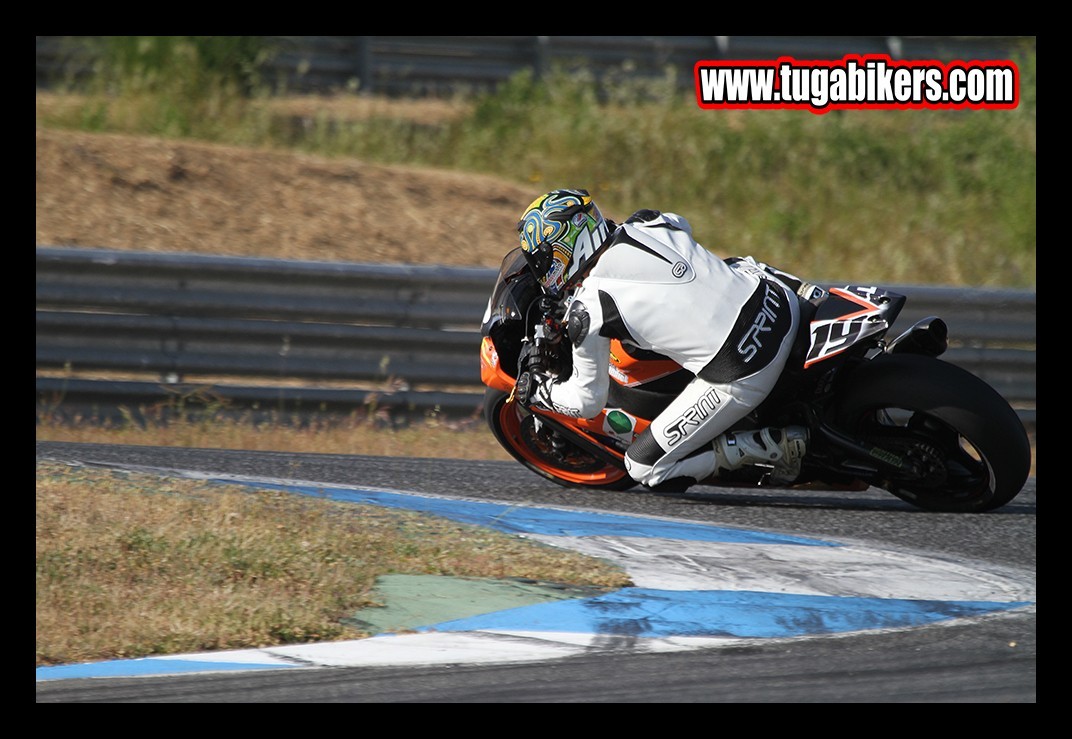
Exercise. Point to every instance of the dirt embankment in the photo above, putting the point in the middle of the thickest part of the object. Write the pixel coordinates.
(148, 194)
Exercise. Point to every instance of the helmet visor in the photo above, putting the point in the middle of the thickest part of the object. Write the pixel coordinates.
(541, 261)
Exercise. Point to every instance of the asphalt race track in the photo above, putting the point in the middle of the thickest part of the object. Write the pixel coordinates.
(953, 594)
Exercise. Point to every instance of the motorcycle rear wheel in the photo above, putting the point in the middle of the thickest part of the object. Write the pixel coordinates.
(971, 445)
(549, 453)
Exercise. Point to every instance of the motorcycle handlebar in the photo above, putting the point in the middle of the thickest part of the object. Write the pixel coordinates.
(542, 353)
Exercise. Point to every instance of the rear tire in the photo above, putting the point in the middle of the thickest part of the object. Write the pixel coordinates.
(970, 442)
(548, 453)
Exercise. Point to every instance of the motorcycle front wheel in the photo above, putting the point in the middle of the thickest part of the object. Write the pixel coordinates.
(551, 453)
(970, 448)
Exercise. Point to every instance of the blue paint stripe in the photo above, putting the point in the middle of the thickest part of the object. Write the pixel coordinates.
(630, 612)
(644, 612)
(148, 666)
(551, 522)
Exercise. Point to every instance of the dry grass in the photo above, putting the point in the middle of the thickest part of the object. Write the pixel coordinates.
(468, 439)
(131, 565)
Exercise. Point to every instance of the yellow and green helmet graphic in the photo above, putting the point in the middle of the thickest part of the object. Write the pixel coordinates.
(559, 231)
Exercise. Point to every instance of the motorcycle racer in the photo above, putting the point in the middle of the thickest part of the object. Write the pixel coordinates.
(648, 283)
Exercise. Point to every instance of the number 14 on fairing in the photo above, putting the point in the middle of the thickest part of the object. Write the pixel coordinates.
(830, 337)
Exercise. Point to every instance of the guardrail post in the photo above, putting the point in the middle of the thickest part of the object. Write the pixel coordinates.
(363, 64)
(540, 56)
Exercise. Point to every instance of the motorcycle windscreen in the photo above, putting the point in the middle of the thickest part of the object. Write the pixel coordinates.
(515, 289)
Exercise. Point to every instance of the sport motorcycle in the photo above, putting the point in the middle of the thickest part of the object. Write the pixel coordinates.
(884, 413)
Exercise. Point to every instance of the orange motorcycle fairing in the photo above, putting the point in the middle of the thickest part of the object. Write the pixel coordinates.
(571, 464)
(491, 371)
(613, 428)
(611, 424)
(629, 371)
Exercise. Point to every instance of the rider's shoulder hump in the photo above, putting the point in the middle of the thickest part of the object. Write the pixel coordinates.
(644, 215)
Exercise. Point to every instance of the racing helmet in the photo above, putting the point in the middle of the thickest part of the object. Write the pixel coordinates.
(560, 231)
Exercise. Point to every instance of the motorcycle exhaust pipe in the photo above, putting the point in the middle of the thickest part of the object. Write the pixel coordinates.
(885, 462)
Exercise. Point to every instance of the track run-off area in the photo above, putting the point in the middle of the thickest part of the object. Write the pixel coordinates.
(697, 584)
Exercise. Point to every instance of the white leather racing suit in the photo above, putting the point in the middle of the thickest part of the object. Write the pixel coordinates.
(655, 288)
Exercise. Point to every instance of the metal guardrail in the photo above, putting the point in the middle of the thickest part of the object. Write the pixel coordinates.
(279, 337)
(444, 65)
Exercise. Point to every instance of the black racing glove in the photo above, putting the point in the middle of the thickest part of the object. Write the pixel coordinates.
(526, 386)
(534, 358)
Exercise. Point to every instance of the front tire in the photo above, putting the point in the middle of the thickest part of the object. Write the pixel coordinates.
(971, 446)
(547, 452)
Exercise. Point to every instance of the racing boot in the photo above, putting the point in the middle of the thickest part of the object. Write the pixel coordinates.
(781, 449)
